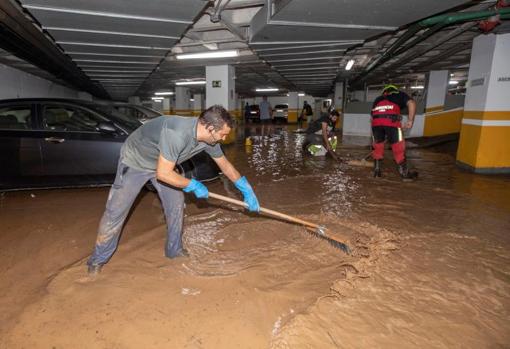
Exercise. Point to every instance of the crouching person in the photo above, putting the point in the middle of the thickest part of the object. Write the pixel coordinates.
(318, 134)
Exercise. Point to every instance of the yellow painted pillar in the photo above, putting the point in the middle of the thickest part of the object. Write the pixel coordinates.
(197, 103)
(293, 110)
(167, 105)
(182, 101)
(484, 145)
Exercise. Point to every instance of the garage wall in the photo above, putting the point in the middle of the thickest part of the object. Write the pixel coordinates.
(274, 100)
(15, 83)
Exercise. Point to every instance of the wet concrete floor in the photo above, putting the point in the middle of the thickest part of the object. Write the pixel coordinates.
(434, 270)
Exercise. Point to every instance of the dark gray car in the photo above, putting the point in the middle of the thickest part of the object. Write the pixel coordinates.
(52, 143)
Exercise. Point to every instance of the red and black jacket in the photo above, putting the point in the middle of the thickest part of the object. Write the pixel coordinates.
(387, 108)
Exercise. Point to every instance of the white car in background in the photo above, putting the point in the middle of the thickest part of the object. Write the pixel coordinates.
(280, 112)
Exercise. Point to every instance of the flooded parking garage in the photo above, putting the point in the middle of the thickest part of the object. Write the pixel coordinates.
(429, 268)
(374, 134)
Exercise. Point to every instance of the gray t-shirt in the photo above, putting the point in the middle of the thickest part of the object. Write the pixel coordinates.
(264, 107)
(174, 137)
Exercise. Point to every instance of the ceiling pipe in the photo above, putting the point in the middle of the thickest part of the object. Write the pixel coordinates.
(463, 17)
(438, 23)
(437, 43)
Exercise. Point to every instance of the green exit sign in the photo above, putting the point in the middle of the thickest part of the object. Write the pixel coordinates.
(216, 83)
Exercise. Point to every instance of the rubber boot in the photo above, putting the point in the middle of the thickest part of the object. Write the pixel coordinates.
(405, 173)
(377, 168)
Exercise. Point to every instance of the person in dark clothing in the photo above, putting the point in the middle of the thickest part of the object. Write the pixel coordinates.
(306, 114)
(319, 131)
(387, 125)
(246, 111)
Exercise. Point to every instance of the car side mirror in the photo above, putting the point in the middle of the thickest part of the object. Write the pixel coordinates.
(106, 127)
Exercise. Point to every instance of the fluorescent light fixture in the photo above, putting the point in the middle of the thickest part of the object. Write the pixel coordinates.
(453, 82)
(417, 87)
(301, 94)
(165, 93)
(157, 99)
(349, 64)
(197, 82)
(270, 89)
(192, 99)
(214, 54)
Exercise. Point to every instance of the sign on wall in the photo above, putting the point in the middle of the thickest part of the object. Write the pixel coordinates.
(216, 83)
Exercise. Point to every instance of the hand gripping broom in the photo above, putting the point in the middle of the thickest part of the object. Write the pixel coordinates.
(318, 230)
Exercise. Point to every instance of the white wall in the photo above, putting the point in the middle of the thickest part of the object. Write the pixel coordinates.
(359, 125)
(274, 100)
(360, 95)
(15, 83)
(437, 88)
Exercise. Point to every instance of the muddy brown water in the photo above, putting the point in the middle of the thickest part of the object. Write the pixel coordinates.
(430, 268)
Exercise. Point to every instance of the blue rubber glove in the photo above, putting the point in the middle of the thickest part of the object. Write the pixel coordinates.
(249, 196)
(197, 188)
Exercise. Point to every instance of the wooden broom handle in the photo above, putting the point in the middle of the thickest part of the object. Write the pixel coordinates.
(264, 210)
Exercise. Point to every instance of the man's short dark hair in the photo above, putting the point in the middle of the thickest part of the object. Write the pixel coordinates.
(216, 116)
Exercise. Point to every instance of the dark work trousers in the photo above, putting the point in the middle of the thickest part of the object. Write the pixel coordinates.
(125, 189)
(394, 137)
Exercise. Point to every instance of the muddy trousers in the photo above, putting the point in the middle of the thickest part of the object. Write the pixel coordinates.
(394, 137)
(125, 189)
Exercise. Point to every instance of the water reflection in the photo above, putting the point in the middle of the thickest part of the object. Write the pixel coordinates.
(275, 156)
(284, 177)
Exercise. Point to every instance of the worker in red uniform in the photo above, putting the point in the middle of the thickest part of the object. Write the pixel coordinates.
(387, 125)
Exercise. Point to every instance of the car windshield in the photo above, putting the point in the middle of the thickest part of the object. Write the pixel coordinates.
(126, 120)
(136, 111)
(150, 113)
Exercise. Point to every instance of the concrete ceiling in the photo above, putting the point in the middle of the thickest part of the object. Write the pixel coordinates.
(128, 47)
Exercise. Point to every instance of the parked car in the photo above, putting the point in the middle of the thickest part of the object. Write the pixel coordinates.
(135, 111)
(280, 112)
(57, 143)
(254, 114)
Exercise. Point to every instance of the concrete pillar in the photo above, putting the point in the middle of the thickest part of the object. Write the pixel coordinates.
(182, 101)
(436, 90)
(167, 105)
(338, 102)
(485, 131)
(220, 88)
(294, 108)
(198, 104)
(338, 98)
(134, 100)
(438, 121)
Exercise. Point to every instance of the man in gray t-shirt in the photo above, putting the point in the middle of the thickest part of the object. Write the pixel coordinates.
(151, 153)
(266, 111)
